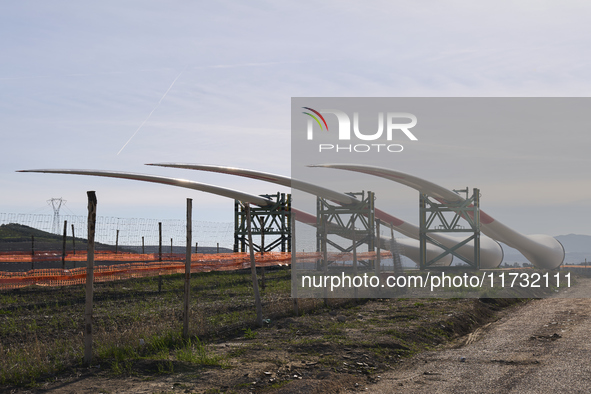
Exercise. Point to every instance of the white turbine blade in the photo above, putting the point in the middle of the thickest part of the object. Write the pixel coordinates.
(301, 216)
(491, 259)
(220, 191)
(340, 198)
(542, 250)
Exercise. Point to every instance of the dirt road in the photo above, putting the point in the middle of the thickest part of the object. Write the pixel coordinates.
(542, 347)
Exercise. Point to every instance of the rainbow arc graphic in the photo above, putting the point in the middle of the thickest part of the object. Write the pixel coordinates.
(315, 118)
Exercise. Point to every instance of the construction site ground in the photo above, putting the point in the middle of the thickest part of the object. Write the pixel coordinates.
(379, 346)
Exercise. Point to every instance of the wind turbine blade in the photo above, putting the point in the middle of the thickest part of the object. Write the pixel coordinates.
(491, 251)
(220, 191)
(301, 216)
(542, 250)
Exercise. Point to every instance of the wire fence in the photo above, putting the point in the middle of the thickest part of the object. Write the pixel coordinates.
(130, 231)
(130, 265)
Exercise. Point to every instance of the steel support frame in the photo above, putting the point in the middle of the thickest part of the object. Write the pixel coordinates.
(272, 223)
(469, 210)
(341, 221)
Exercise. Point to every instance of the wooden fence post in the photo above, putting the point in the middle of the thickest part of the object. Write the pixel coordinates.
(159, 255)
(89, 277)
(159, 241)
(392, 248)
(73, 241)
(262, 223)
(378, 261)
(294, 272)
(253, 271)
(117, 242)
(186, 309)
(64, 244)
(32, 251)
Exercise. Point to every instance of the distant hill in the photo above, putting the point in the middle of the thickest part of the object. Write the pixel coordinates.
(17, 237)
(14, 232)
(575, 243)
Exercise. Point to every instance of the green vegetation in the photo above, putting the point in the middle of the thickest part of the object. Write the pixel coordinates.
(19, 233)
(137, 331)
(249, 334)
(14, 237)
(41, 328)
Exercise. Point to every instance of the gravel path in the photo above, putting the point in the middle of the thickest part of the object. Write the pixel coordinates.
(542, 347)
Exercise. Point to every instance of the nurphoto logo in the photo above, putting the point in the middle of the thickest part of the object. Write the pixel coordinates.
(391, 123)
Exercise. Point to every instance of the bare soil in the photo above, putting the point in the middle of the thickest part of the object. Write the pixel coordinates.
(541, 347)
(330, 350)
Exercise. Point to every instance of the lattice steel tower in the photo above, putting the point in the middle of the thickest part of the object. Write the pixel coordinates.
(56, 204)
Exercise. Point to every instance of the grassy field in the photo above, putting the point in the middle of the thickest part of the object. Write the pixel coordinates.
(137, 334)
(41, 328)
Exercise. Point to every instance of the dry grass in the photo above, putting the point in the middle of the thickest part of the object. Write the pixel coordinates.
(41, 329)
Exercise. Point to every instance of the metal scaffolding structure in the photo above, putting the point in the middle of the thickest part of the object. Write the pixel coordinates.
(270, 224)
(354, 223)
(435, 217)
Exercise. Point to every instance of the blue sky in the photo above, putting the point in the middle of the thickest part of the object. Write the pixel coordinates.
(77, 79)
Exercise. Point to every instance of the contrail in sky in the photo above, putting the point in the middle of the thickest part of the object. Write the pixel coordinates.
(151, 112)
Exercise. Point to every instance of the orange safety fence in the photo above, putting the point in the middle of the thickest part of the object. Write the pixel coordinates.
(104, 273)
(149, 267)
(576, 266)
(40, 256)
(312, 257)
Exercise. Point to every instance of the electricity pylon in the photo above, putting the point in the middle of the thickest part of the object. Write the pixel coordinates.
(56, 204)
